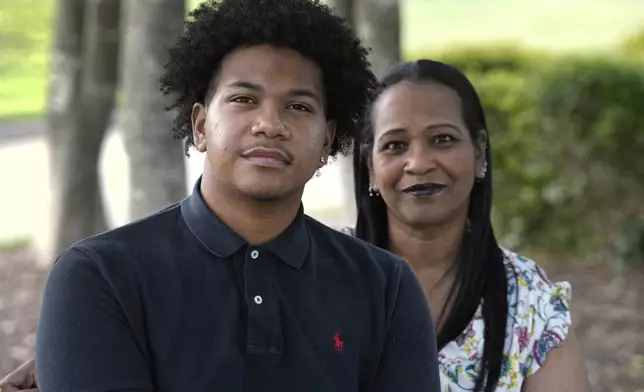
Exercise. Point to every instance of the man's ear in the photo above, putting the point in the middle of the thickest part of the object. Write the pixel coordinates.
(329, 137)
(198, 118)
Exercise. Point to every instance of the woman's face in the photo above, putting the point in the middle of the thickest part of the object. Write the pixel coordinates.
(424, 161)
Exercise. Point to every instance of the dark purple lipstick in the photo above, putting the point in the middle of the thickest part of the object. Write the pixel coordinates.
(424, 190)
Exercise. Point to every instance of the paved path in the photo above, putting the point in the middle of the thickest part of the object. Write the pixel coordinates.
(12, 131)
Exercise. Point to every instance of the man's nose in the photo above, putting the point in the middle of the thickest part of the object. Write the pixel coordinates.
(269, 121)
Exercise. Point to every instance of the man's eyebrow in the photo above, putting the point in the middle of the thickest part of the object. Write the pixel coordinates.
(294, 92)
(246, 85)
(304, 92)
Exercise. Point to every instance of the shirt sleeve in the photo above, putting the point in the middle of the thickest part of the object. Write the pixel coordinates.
(410, 360)
(547, 316)
(83, 341)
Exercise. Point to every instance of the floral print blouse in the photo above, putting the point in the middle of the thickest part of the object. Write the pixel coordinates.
(538, 322)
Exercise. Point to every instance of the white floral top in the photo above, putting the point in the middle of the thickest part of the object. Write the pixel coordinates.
(538, 321)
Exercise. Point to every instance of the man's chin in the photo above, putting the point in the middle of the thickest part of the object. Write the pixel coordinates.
(265, 197)
(265, 194)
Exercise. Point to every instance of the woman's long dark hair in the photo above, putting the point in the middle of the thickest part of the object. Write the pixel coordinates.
(480, 272)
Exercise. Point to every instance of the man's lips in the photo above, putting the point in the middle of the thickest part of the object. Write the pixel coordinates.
(272, 157)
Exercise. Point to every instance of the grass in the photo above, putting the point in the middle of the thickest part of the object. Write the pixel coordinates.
(23, 92)
(14, 244)
(570, 25)
(428, 26)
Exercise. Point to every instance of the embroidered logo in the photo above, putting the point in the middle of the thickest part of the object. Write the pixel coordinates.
(338, 343)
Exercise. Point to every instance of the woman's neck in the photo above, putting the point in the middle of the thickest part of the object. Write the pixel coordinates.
(432, 253)
(427, 247)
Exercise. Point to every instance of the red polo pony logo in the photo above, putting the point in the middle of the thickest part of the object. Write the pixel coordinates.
(337, 342)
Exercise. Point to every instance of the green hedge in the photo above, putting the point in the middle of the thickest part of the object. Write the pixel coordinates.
(633, 46)
(478, 59)
(594, 106)
(568, 143)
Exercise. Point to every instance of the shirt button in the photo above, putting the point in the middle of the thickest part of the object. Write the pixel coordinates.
(254, 254)
(258, 299)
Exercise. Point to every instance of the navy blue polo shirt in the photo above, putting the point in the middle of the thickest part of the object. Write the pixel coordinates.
(179, 302)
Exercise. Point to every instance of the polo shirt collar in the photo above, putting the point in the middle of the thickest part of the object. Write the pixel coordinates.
(291, 246)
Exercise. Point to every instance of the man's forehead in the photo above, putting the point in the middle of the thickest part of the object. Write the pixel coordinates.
(269, 67)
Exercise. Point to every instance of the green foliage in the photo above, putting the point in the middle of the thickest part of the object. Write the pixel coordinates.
(25, 40)
(592, 108)
(601, 101)
(14, 244)
(633, 46)
(520, 172)
(488, 58)
(567, 137)
(24, 33)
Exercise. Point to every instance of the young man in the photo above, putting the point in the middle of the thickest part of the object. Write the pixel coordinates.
(234, 288)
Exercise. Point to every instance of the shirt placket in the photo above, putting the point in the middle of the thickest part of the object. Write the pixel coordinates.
(263, 328)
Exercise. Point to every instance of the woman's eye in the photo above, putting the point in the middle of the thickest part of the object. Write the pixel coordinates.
(299, 107)
(393, 146)
(444, 139)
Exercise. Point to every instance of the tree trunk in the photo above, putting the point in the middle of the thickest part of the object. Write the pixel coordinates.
(98, 93)
(345, 9)
(81, 97)
(156, 160)
(62, 105)
(378, 22)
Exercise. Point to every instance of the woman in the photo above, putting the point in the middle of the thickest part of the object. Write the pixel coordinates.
(423, 190)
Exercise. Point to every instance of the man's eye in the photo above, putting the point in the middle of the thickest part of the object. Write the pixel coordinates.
(299, 107)
(242, 99)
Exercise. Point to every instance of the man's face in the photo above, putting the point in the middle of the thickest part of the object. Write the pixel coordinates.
(264, 128)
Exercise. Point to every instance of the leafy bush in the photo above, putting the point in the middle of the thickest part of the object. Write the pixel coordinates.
(477, 59)
(596, 106)
(567, 136)
(633, 46)
(601, 102)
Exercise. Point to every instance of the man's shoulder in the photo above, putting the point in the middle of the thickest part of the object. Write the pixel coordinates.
(357, 252)
(142, 235)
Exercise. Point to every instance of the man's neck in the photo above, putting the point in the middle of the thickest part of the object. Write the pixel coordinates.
(256, 221)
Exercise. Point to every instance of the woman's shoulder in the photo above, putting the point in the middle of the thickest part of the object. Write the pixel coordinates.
(531, 278)
(539, 314)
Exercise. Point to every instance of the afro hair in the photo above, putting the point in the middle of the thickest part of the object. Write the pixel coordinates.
(217, 27)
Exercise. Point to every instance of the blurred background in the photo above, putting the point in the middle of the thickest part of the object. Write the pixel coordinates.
(85, 143)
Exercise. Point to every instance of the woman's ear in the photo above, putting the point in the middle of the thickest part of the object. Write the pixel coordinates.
(480, 147)
(370, 171)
